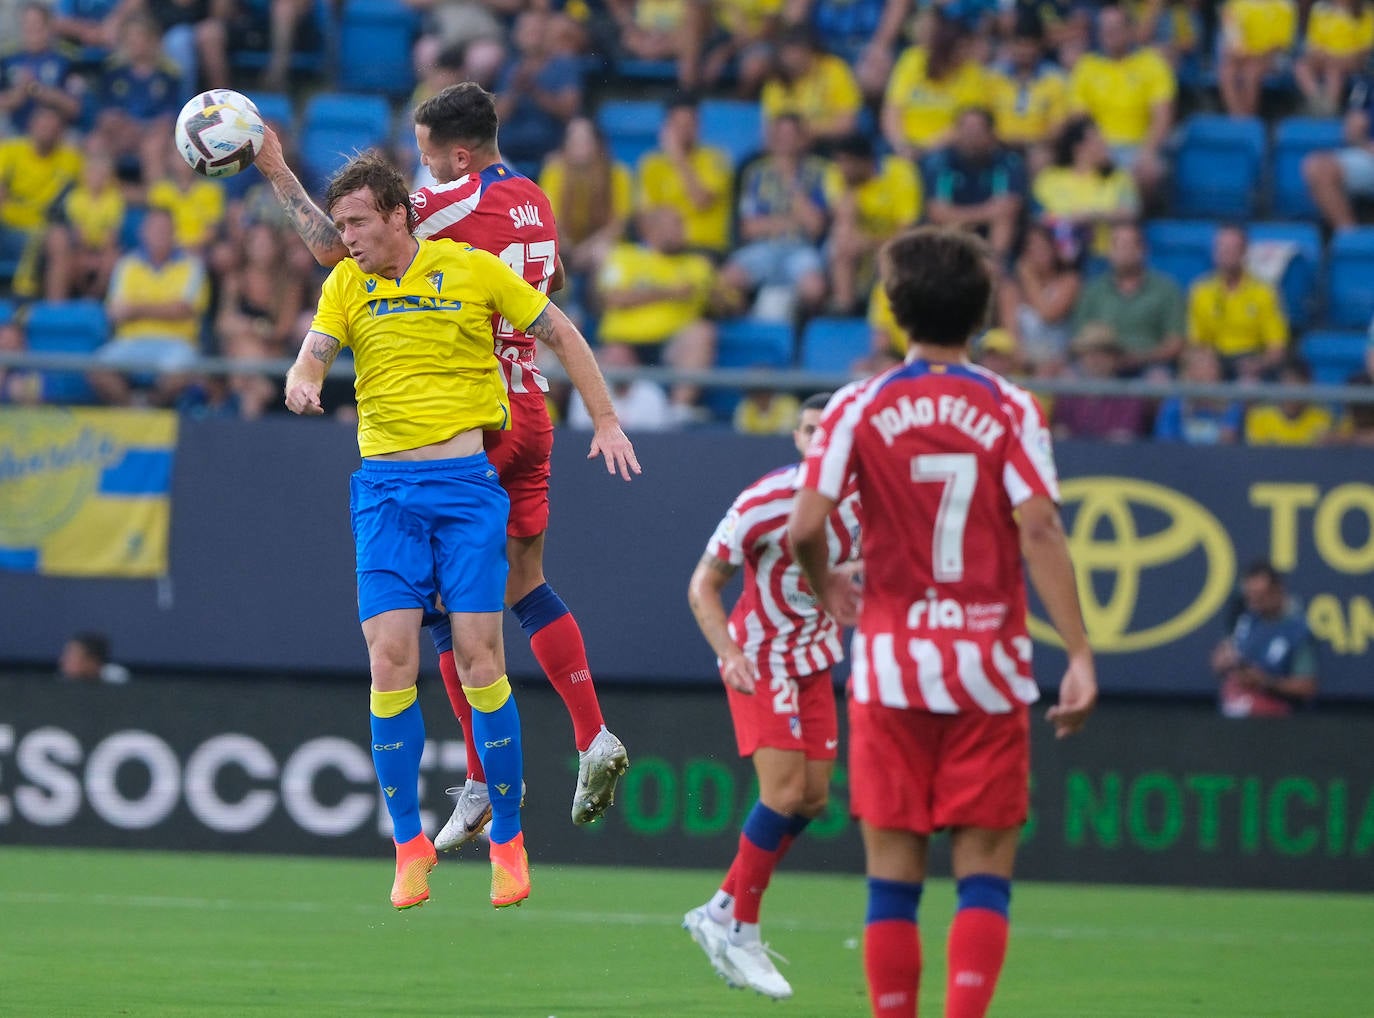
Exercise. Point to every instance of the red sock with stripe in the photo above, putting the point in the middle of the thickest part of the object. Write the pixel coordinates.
(892, 948)
(556, 641)
(977, 945)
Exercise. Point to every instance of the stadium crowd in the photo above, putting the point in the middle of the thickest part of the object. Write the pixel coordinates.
(1053, 129)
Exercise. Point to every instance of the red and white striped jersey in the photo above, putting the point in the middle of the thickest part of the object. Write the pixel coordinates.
(506, 214)
(941, 455)
(777, 621)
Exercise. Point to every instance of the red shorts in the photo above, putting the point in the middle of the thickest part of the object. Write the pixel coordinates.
(521, 458)
(796, 714)
(911, 770)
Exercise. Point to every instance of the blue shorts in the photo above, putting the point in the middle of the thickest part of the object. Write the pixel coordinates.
(435, 527)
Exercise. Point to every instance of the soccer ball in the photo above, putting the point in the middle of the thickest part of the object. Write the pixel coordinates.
(219, 132)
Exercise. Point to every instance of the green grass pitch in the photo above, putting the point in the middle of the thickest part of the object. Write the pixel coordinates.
(163, 934)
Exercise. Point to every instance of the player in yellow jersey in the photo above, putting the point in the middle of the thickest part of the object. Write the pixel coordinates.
(428, 512)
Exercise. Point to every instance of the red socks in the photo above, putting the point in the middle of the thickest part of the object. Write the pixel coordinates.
(892, 964)
(462, 710)
(559, 649)
(977, 947)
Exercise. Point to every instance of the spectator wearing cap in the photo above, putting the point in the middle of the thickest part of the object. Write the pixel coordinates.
(871, 200)
(814, 85)
(997, 350)
(1096, 355)
(976, 183)
(1143, 308)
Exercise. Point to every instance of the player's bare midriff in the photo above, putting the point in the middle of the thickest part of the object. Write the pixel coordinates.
(465, 443)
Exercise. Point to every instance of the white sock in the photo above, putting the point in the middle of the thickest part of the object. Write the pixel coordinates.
(744, 933)
(721, 907)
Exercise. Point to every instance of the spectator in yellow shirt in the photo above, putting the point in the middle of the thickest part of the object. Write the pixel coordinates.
(870, 202)
(35, 168)
(695, 180)
(1255, 35)
(816, 86)
(1293, 421)
(156, 304)
(1236, 313)
(1129, 92)
(932, 82)
(82, 245)
(655, 297)
(1083, 190)
(1340, 35)
(195, 204)
(591, 194)
(1031, 98)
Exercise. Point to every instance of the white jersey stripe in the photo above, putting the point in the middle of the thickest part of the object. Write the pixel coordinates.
(969, 661)
(1017, 488)
(930, 677)
(442, 219)
(858, 673)
(1020, 683)
(834, 473)
(888, 672)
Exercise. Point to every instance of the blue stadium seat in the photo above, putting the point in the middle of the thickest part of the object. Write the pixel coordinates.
(630, 126)
(276, 109)
(375, 41)
(1298, 284)
(7, 311)
(1295, 138)
(1218, 166)
(735, 125)
(1180, 249)
(334, 127)
(747, 343)
(76, 326)
(834, 344)
(1349, 295)
(1334, 356)
(662, 71)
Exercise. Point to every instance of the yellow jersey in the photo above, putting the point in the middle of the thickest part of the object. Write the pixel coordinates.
(136, 280)
(747, 17)
(1254, 28)
(1331, 29)
(828, 91)
(1239, 321)
(196, 212)
(95, 216)
(886, 203)
(1269, 425)
(660, 184)
(32, 182)
(1031, 111)
(1121, 94)
(631, 267)
(422, 344)
(928, 108)
(1062, 191)
(571, 198)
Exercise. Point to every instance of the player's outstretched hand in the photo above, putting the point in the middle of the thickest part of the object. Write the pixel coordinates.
(738, 672)
(1077, 697)
(843, 593)
(269, 158)
(304, 398)
(613, 444)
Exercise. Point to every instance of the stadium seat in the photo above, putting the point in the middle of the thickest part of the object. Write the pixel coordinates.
(76, 326)
(630, 126)
(375, 41)
(735, 125)
(1295, 138)
(1298, 284)
(7, 311)
(1349, 295)
(277, 110)
(747, 343)
(834, 344)
(661, 71)
(1334, 356)
(1218, 167)
(334, 127)
(1180, 249)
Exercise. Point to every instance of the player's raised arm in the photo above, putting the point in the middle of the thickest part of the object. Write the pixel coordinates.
(1051, 571)
(553, 328)
(704, 595)
(310, 222)
(305, 378)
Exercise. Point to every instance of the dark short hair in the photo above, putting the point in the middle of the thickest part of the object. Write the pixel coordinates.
(938, 283)
(981, 112)
(96, 645)
(859, 146)
(371, 170)
(816, 402)
(464, 113)
(1262, 567)
(1070, 136)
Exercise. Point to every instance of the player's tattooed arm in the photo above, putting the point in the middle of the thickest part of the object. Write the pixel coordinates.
(306, 377)
(323, 348)
(309, 221)
(726, 569)
(554, 330)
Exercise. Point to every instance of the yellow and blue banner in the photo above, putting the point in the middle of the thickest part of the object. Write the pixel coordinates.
(86, 492)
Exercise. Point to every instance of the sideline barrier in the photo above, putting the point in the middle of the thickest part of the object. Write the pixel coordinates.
(1147, 794)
